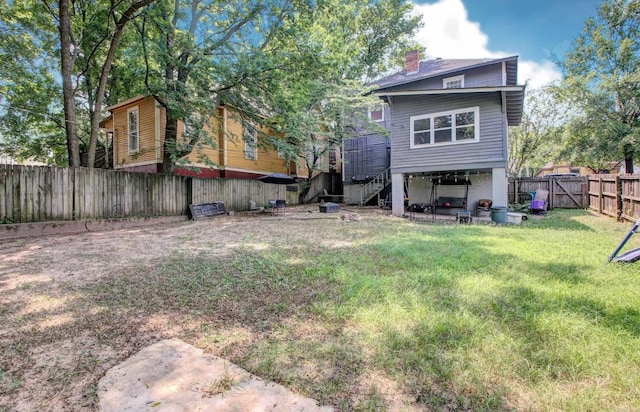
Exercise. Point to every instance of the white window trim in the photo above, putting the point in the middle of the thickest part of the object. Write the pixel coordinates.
(247, 146)
(476, 129)
(453, 79)
(137, 149)
(378, 120)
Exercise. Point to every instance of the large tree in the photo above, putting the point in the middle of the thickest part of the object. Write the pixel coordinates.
(602, 84)
(274, 61)
(31, 118)
(77, 39)
(347, 45)
(203, 54)
(534, 142)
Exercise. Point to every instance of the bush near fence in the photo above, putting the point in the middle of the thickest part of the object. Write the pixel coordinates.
(39, 194)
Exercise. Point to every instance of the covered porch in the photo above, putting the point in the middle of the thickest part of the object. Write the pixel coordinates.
(446, 192)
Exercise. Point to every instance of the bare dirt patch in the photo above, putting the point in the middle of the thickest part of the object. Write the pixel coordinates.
(71, 307)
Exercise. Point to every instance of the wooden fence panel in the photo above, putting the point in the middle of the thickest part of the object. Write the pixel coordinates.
(568, 192)
(237, 193)
(606, 193)
(630, 197)
(36, 193)
(564, 192)
(615, 196)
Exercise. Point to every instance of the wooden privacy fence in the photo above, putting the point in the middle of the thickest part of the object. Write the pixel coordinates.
(568, 192)
(38, 194)
(615, 196)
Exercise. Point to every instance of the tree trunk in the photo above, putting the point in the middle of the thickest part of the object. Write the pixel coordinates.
(169, 145)
(66, 63)
(628, 158)
(104, 76)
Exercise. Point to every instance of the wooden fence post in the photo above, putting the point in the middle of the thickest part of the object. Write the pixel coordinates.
(619, 201)
(600, 195)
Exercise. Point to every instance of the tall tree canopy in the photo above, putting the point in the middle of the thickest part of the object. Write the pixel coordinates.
(602, 84)
(68, 47)
(533, 142)
(273, 60)
(347, 45)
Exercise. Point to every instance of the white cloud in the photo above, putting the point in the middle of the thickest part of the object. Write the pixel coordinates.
(537, 74)
(449, 34)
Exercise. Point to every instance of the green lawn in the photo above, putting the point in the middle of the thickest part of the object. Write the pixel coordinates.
(481, 317)
(376, 314)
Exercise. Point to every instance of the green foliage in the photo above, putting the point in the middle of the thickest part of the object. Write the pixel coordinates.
(602, 85)
(196, 56)
(249, 56)
(325, 101)
(31, 118)
(32, 121)
(533, 142)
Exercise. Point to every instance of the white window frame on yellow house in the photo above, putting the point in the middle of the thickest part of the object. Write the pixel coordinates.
(250, 137)
(133, 136)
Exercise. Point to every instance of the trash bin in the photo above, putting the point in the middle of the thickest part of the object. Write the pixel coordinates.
(499, 214)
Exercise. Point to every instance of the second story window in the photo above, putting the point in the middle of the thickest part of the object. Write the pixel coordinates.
(457, 126)
(132, 125)
(376, 115)
(250, 135)
(456, 82)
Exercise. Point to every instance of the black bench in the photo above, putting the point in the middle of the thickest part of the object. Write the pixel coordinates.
(448, 202)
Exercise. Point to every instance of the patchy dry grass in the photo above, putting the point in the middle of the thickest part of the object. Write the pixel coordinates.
(370, 314)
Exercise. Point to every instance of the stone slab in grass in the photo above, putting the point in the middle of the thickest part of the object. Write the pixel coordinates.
(172, 375)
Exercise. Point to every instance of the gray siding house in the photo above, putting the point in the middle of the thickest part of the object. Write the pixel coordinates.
(449, 123)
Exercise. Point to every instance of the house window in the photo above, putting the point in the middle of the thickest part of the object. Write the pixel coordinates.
(250, 135)
(456, 82)
(376, 115)
(133, 127)
(457, 126)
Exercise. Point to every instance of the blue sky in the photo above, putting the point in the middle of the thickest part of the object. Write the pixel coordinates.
(532, 29)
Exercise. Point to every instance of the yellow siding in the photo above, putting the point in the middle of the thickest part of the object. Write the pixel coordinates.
(230, 151)
(214, 154)
(146, 133)
(267, 161)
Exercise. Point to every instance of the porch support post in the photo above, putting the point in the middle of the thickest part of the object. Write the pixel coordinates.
(397, 194)
(499, 186)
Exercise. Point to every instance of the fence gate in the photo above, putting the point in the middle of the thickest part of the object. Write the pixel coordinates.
(564, 192)
(568, 193)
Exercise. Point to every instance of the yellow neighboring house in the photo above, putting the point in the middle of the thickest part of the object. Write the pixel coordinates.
(137, 127)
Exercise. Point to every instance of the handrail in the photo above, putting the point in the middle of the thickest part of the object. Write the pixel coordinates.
(374, 186)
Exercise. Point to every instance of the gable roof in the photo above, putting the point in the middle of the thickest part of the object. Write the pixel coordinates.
(129, 101)
(512, 94)
(441, 67)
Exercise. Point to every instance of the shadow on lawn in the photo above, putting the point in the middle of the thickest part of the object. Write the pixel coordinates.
(563, 220)
(293, 312)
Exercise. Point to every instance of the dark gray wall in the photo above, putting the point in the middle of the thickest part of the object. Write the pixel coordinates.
(365, 157)
(485, 76)
(490, 151)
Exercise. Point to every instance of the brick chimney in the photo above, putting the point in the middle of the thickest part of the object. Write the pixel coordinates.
(413, 61)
